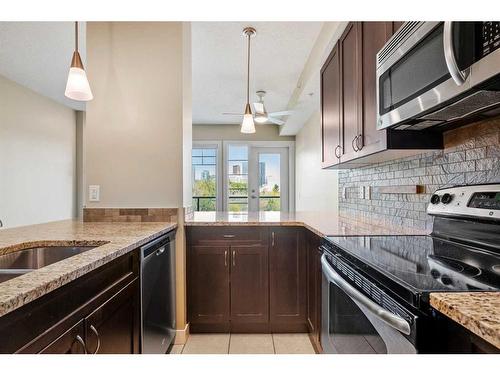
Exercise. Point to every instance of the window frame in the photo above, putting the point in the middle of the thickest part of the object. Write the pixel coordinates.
(217, 145)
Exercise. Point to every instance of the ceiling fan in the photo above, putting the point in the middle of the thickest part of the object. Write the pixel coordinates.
(261, 115)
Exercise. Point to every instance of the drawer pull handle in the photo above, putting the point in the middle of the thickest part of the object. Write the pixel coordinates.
(228, 236)
(93, 329)
(79, 339)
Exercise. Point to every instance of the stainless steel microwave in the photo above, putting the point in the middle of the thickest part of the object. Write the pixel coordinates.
(432, 74)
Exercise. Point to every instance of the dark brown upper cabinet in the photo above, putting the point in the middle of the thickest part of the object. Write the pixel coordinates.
(349, 103)
(350, 78)
(330, 110)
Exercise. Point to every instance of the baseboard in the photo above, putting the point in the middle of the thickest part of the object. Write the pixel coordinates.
(181, 335)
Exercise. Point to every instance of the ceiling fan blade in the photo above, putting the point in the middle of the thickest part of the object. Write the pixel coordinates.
(281, 113)
(232, 113)
(259, 107)
(275, 120)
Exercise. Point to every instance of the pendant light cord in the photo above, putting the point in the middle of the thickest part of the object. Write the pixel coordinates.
(76, 36)
(248, 70)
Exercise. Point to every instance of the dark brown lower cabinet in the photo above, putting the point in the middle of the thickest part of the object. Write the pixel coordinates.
(112, 327)
(246, 279)
(208, 288)
(96, 313)
(288, 280)
(314, 289)
(249, 287)
(70, 342)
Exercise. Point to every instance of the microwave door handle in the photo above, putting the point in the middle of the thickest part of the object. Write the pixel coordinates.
(449, 55)
(386, 316)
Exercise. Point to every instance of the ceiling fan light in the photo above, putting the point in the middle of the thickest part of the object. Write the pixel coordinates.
(248, 126)
(260, 118)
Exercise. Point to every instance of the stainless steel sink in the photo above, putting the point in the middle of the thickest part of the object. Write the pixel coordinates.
(20, 262)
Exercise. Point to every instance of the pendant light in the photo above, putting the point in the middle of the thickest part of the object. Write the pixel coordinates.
(248, 126)
(77, 86)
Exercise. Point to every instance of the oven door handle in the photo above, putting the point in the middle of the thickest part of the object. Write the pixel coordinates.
(386, 316)
(449, 55)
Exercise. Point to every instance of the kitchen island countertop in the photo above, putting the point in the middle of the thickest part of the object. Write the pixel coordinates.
(111, 240)
(479, 312)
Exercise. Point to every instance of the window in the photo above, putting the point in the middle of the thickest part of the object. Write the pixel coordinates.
(204, 177)
(237, 178)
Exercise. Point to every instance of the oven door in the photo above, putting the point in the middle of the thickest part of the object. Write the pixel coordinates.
(354, 324)
(422, 66)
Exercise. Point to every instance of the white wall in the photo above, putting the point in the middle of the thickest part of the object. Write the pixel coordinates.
(135, 126)
(316, 189)
(37, 157)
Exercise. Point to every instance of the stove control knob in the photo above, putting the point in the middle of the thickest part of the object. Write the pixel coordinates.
(447, 198)
(435, 199)
(446, 280)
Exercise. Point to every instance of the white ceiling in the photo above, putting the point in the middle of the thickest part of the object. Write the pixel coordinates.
(37, 55)
(279, 53)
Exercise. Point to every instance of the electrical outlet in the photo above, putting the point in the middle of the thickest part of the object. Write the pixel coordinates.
(368, 192)
(94, 192)
(362, 192)
(344, 192)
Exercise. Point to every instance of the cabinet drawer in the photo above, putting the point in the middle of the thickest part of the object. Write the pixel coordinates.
(36, 324)
(240, 235)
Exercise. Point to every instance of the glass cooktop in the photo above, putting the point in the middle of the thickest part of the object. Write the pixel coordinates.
(422, 264)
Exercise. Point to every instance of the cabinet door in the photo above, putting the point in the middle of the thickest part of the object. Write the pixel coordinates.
(208, 284)
(70, 342)
(374, 36)
(330, 109)
(288, 280)
(249, 284)
(313, 285)
(350, 63)
(113, 328)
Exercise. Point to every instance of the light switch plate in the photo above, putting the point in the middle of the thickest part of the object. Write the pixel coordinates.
(368, 192)
(362, 192)
(344, 192)
(94, 193)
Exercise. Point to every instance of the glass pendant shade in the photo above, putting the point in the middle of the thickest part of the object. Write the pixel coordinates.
(77, 85)
(260, 118)
(248, 126)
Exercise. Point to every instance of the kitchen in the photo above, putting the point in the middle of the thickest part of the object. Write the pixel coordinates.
(250, 187)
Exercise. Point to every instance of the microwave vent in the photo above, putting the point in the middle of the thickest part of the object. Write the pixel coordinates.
(477, 102)
(395, 42)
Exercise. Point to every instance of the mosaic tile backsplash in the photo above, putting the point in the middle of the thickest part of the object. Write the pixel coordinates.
(471, 156)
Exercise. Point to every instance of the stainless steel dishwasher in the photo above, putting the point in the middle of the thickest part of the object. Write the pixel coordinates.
(158, 295)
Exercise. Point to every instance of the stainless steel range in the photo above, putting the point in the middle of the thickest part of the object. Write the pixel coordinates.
(376, 288)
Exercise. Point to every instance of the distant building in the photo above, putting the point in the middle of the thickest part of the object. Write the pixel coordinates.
(262, 174)
(236, 169)
(205, 175)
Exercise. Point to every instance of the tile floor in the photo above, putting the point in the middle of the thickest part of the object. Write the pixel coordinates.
(225, 343)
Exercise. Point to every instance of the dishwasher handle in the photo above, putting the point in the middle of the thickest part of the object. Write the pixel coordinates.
(158, 246)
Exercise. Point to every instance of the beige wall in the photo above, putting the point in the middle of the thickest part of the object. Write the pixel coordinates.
(232, 133)
(316, 189)
(133, 138)
(137, 131)
(37, 157)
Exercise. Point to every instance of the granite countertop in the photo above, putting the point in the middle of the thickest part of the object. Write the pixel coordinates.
(112, 240)
(325, 223)
(479, 312)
